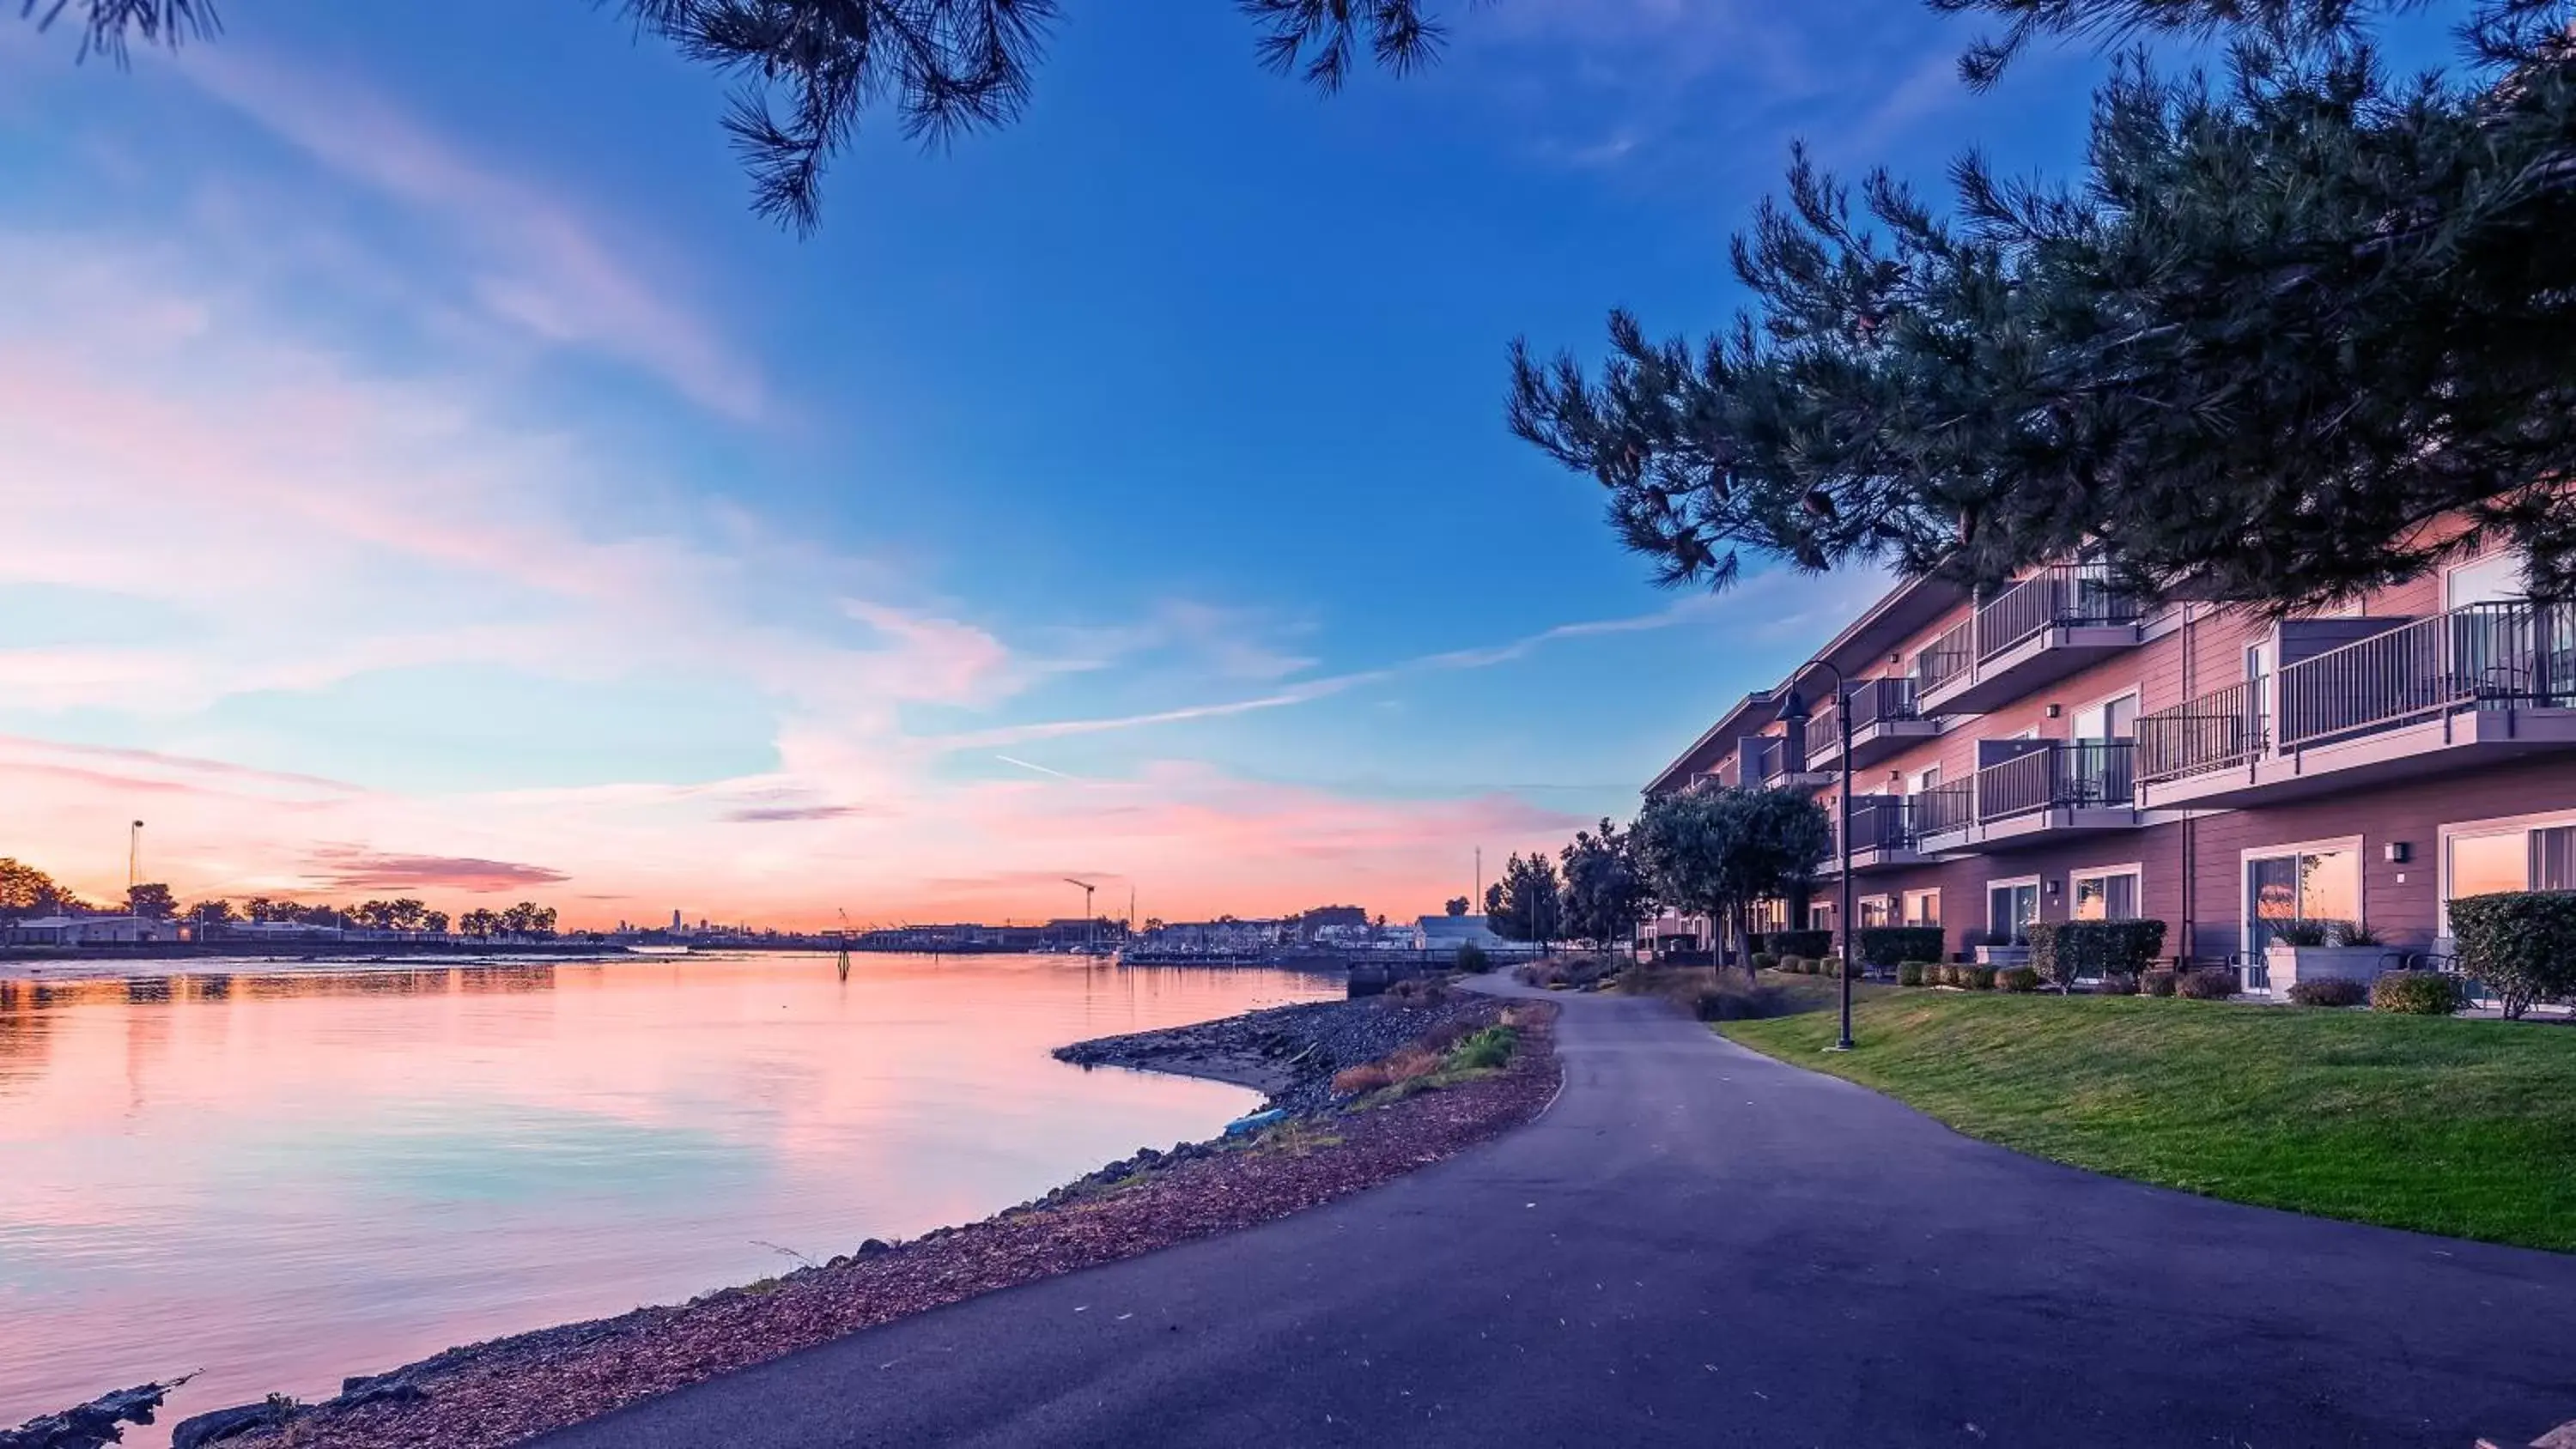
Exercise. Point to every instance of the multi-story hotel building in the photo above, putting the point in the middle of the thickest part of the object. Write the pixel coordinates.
(2053, 750)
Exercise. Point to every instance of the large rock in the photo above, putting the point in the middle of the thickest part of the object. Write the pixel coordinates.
(218, 1425)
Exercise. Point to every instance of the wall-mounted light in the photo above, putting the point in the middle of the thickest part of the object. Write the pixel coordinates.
(2055, 710)
(2052, 888)
(2399, 852)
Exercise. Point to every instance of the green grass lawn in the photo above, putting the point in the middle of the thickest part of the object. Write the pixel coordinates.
(2447, 1126)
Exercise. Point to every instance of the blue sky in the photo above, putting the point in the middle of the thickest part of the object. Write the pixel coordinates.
(431, 476)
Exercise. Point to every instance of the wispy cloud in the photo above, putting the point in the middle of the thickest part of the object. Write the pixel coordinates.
(352, 868)
(1034, 767)
(534, 261)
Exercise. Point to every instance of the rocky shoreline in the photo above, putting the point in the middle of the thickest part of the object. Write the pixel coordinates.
(488, 1395)
(1288, 1052)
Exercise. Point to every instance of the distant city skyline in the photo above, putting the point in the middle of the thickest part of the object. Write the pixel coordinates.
(422, 481)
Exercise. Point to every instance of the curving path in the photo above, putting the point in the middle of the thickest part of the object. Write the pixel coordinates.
(1699, 1246)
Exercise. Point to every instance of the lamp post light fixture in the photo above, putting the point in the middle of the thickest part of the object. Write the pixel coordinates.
(1794, 711)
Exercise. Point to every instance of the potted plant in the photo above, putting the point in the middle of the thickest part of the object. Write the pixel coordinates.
(2000, 948)
(2319, 950)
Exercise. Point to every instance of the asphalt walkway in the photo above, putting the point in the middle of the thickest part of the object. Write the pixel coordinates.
(1699, 1246)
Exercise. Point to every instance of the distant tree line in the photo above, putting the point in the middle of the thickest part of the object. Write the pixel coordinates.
(28, 892)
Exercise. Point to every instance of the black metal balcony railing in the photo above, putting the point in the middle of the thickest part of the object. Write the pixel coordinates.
(1946, 658)
(1759, 764)
(1944, 809)
(2485, 656)
(2214, 732)
(1880, 822)
(2059, 595)
(2064, 774)
(1872, 700)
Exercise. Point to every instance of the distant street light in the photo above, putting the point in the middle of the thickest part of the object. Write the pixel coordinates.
(1794, 711)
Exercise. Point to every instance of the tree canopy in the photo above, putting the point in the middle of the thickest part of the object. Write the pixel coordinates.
(2292, 324)
(1714, 852)
(1606, 892)
(807, 73)
(1528, 903)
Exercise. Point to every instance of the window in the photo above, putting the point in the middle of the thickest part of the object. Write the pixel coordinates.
(1877, 911)
(2525, 853)
(2107, 894)
(1926, 779)
(2011, 905)
(2489, 580)
(2258, 662)
(2319, 882)
(2112, 719)
(1922, 908)
(1820, 918)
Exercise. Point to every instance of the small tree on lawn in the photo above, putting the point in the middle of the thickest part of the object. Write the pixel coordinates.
(1715, 852)
(1528, 903)
(1606, 890)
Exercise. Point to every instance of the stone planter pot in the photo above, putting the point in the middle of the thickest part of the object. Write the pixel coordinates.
(2003, 956)
(2289, 965)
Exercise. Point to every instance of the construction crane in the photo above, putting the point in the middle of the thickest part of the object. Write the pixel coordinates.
(1090, 922)
(845, 945)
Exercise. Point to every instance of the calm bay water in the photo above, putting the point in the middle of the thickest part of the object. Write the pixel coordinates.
(284, 1178)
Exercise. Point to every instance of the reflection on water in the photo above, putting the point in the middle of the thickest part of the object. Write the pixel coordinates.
(285, 1177)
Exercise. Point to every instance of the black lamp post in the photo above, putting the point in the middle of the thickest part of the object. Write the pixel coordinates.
(1794, 711)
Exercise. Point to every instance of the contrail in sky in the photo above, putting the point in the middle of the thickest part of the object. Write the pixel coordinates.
(1041, 769)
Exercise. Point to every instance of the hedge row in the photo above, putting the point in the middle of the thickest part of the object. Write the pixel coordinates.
(2063, 951)
(1810, 944)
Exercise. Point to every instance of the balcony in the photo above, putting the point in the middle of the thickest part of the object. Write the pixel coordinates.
(1883, 836)
(1884, 721)
(2038, 788)
(2042, 629)
(2418, 697)
(1773, 762)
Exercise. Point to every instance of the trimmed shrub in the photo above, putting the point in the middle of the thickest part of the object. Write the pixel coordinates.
(1910, 973)
(2118, 983)
(1765, 961)
(2302, 933)
(1473, 960)
(2208, 983)
(1810, 944)
(2018, 978)
(2062, 951)
(1885, 946)
(2162, 981)
(1979, 978)
(2329, 991)
(1830, 966)
(2416, 993)
(2520, 945)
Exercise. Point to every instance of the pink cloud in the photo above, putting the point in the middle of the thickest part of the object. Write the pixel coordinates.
(542, 267)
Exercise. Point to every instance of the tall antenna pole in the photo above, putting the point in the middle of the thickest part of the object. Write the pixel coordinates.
(1090, 918)
(1476, 903)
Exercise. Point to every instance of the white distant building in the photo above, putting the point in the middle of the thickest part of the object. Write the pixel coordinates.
(88, 931)
(1448, 933)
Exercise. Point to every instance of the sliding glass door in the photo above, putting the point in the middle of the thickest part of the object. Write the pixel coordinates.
(2313, 883)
